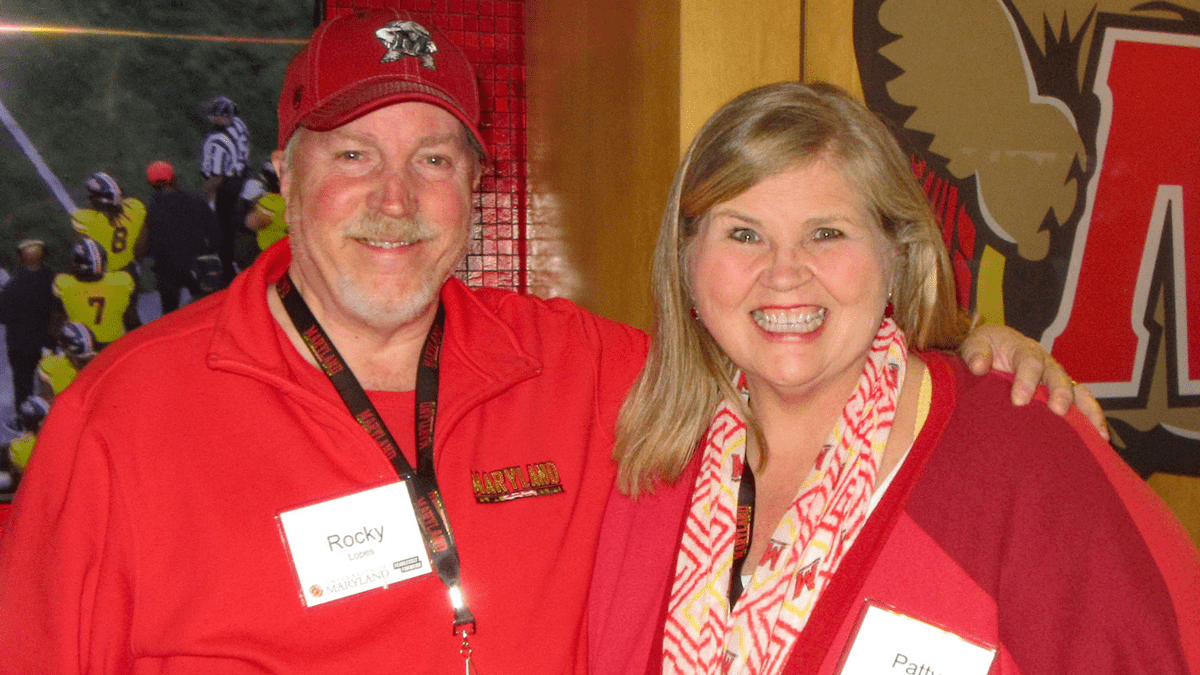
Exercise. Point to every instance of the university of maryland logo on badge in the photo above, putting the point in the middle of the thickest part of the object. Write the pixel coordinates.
(516, 482)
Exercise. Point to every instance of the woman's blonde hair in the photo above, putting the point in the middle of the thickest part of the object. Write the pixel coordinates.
(763, 132)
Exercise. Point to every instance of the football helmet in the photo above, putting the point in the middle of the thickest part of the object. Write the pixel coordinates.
(207, 271)
(91, 260)
(103, 190)
(31, 413)
(77, 340)
(269, 177)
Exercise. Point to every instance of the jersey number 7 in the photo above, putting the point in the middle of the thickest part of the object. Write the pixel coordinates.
(97, 302)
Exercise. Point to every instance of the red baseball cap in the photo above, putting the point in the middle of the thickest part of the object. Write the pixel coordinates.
(159, 171)
(366, 60)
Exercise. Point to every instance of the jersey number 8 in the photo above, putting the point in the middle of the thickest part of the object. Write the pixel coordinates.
(120, 238)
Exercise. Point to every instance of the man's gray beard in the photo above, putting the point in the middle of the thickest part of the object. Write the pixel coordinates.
(366, 305)
(397, 312)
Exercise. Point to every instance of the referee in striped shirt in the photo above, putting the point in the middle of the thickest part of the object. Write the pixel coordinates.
(225, 156)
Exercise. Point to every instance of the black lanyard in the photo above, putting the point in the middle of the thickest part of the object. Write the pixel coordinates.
(422, 483)
(743, 533)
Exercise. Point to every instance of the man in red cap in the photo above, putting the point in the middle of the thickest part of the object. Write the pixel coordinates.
(253, 522)
(181, 227)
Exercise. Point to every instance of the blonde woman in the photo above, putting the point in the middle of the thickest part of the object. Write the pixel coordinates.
(836, 480)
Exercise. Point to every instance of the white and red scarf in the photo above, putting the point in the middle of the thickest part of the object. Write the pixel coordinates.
(701, 636)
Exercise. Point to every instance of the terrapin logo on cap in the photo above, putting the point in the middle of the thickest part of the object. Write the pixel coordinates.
(360, 62)
(407, 38)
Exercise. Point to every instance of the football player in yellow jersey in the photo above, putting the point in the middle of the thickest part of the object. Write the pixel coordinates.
(14, 455)
(20, 448)
(266, 218)
(76, 347)
(30, 415)
(92, 297)
(114, 222)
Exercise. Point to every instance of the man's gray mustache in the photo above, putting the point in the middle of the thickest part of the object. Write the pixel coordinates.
(391, 229)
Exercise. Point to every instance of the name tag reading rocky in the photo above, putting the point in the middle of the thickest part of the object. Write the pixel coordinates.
(353, 544)
(890, 643)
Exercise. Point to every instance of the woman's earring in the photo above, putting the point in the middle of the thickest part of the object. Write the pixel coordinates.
(889, 309)
(695, 314)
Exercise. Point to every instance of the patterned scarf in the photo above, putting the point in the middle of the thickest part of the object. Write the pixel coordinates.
(829, 511)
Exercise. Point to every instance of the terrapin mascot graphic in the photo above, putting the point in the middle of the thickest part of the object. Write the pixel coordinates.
(1058, 142)
(407, 38)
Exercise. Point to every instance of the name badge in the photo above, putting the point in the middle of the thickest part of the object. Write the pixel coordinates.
(353, 544)
(890, 643)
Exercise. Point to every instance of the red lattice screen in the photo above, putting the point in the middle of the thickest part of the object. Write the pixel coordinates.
(492, 34)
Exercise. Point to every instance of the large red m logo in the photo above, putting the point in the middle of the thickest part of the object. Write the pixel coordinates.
(1148, 168)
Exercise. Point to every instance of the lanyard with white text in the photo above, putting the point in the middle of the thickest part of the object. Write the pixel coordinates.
(423, 487)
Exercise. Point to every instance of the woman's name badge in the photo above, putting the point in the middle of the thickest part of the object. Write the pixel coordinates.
(354, 544)
(890, 643)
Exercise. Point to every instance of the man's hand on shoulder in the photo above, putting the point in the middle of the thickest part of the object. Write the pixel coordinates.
(1000, 347)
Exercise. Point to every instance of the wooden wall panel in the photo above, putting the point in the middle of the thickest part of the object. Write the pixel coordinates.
(729, 47)
(829, 44)
(603, 142)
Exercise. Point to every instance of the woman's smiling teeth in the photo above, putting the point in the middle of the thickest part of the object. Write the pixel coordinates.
(788, 321)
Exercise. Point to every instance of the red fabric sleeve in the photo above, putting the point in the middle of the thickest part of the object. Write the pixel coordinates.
(64, 598)
(1090, 571)
(632, 579)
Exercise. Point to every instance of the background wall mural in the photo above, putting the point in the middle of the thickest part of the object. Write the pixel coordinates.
(1058, 141)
